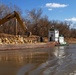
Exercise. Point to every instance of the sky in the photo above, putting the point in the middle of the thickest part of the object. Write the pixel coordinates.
(62, 10)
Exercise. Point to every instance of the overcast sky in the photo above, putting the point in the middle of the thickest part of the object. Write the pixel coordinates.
(54, 9)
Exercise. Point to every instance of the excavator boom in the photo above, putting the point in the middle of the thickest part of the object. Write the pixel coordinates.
(11, 16)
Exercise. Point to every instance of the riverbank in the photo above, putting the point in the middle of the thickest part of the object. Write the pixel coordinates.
(12, 42)
(26, 46)
(12, 39)
(70, 40)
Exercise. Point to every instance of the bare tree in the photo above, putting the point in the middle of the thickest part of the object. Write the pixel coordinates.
(9, 26)
(33, 17)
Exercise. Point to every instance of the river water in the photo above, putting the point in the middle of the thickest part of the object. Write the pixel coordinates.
(41, 61)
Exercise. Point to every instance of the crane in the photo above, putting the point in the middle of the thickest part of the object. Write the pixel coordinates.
(17, 16)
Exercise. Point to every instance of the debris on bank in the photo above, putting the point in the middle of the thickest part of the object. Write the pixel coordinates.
(22, 42)
(18, 40)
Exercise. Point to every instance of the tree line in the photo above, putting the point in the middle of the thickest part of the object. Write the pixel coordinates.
(37, 23)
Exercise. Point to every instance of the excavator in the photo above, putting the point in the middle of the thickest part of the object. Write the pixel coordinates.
(17, 16)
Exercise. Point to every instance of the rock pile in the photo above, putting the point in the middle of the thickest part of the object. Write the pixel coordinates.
(17, 40)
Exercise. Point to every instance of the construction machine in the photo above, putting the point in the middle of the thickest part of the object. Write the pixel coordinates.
(17, 16)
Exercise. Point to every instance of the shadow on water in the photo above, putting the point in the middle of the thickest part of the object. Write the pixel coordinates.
(60, 60)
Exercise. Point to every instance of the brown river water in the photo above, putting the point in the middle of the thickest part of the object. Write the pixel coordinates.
(41, 61)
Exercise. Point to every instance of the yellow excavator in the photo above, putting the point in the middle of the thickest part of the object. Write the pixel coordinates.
(17, 16)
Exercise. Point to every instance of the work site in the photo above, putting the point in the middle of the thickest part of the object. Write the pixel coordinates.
(37, 38)
(16, 38)
(15, 28)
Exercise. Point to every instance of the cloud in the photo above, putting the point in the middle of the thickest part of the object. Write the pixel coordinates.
(73, 19)
(50, 9)
(55, 5)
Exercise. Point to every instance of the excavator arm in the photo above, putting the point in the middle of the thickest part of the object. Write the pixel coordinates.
(11, 16)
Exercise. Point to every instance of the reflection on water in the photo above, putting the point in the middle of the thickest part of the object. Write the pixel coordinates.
(59, 51)
(60, 60)
(28, 57)
(12, 61)
(66, 60)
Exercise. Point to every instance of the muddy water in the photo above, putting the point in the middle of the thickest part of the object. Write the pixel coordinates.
(42, 61)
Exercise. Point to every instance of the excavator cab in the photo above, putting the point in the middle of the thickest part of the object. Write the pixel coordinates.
(28, 33)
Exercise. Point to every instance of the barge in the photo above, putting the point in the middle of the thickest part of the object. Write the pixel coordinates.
(27, 46)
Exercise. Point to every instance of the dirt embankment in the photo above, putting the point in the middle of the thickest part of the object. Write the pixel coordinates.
(8, 42)
(19, 39)
(71, 40)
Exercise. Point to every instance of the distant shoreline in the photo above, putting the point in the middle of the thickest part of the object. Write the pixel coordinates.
(70, 40)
